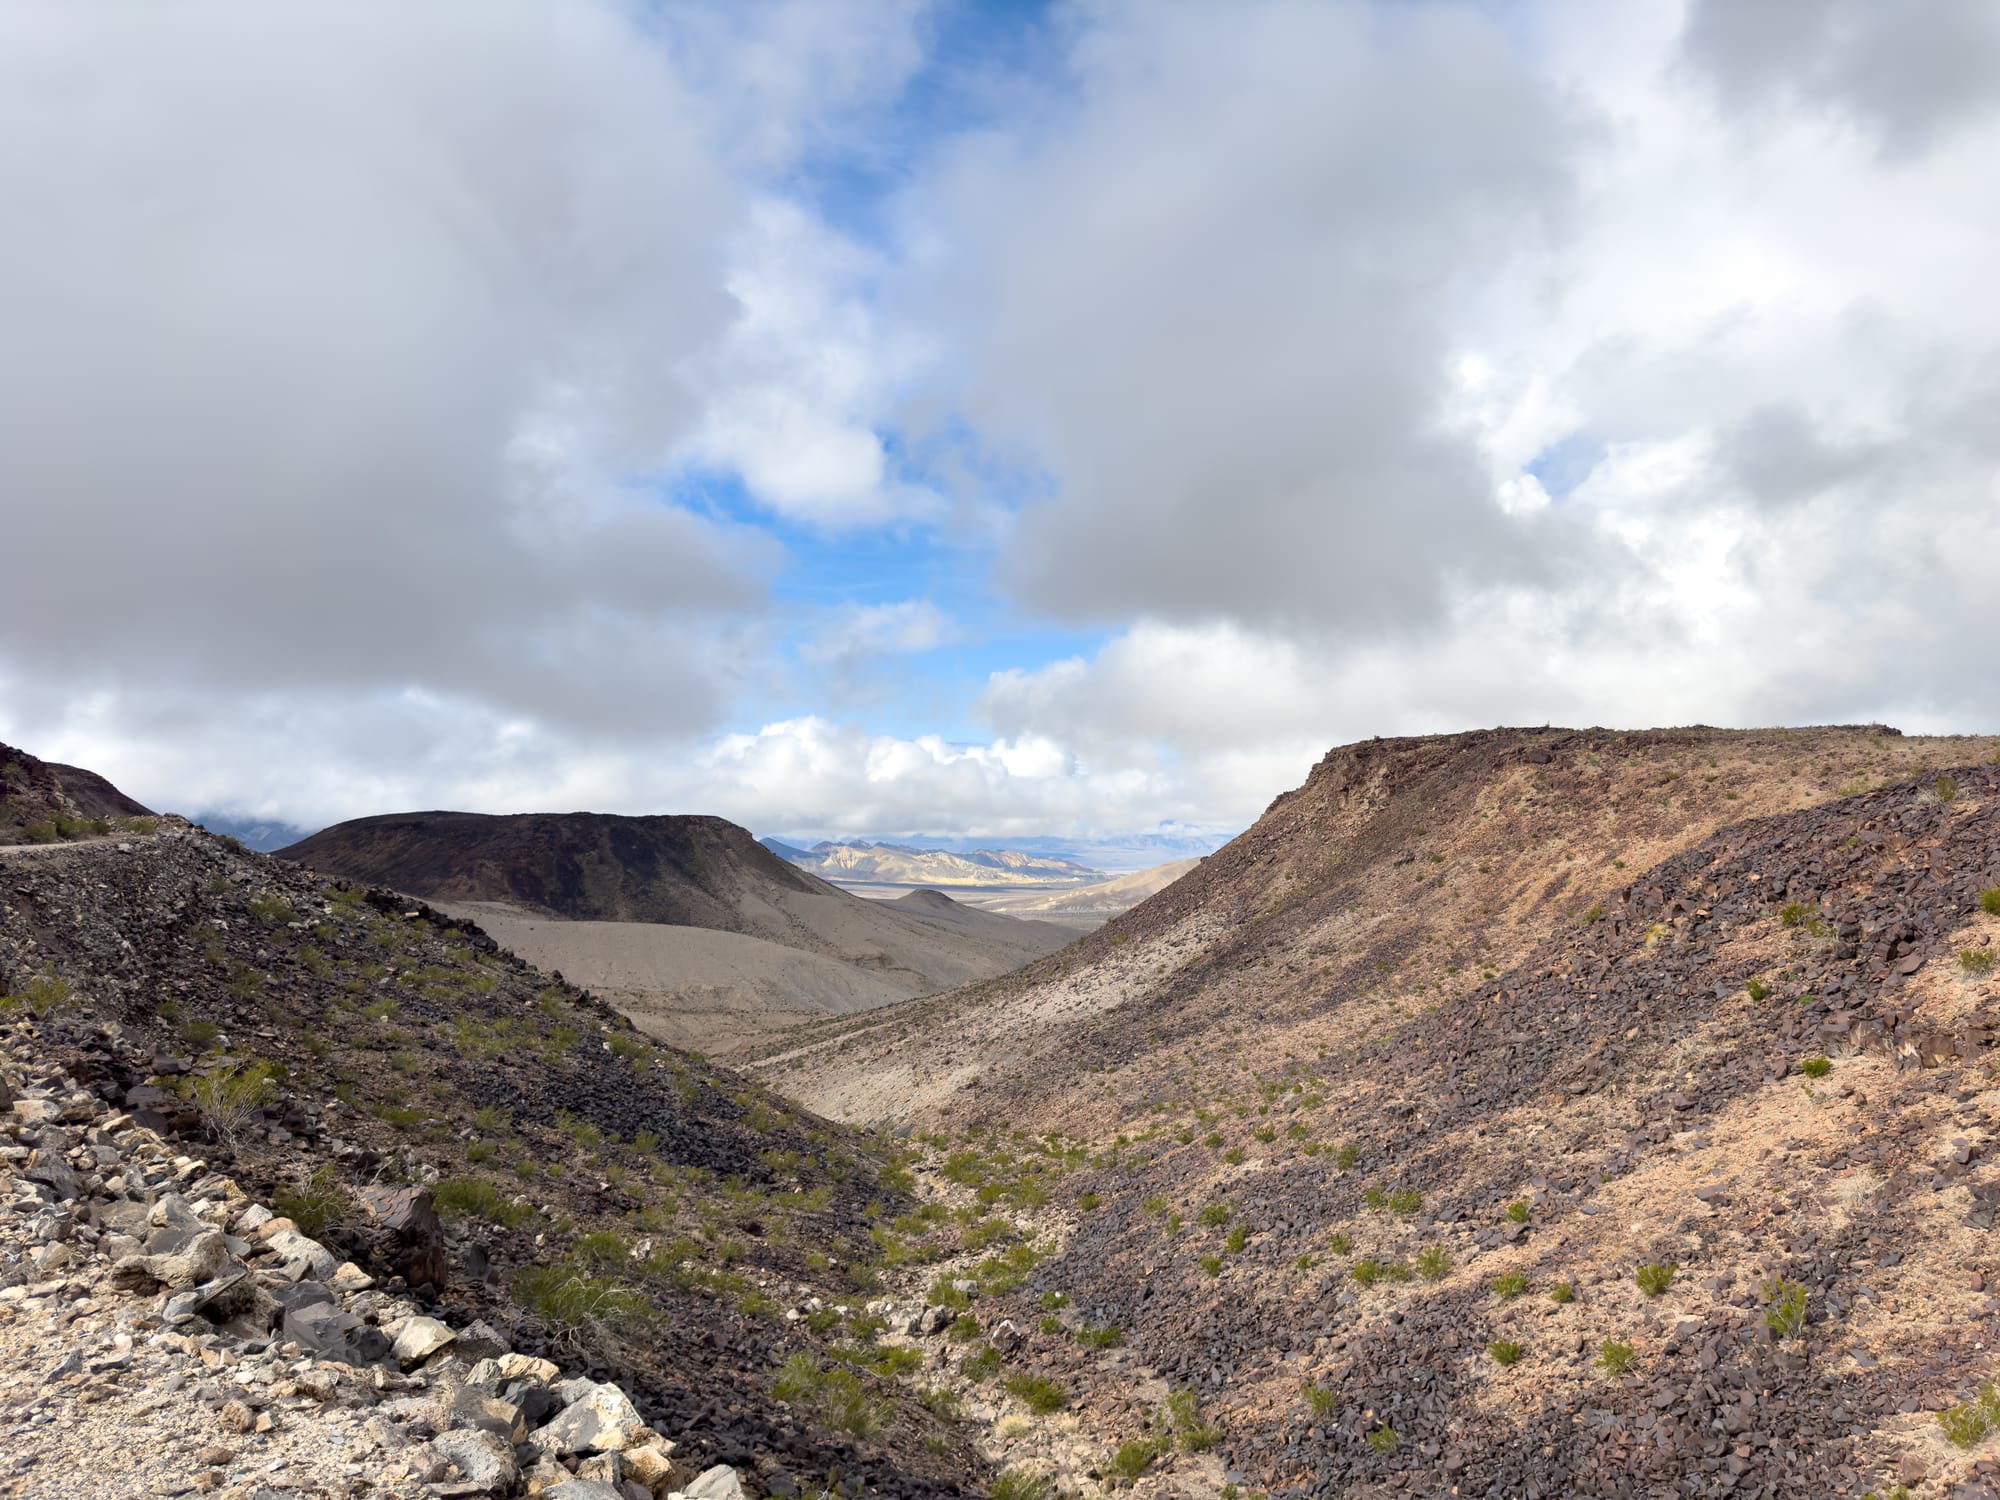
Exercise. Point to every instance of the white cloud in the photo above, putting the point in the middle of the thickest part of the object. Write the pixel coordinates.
(796, 388)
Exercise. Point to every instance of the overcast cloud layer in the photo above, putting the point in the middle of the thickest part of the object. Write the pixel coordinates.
(903, 418)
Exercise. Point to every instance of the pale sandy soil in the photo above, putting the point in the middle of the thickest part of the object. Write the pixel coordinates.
(712, 991)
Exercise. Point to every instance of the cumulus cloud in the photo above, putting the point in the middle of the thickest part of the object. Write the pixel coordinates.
(1210, 286)
(331, 341)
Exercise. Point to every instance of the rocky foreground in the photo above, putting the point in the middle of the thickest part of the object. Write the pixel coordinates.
(167, 1335)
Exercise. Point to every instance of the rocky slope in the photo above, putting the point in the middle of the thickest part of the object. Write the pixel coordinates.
(1686, 1190)
(42, 802)
(612, 1204)
(687, 923)
(1399, 876)
(172, 1335)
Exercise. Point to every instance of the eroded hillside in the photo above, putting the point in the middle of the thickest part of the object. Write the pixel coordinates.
(1402, 874)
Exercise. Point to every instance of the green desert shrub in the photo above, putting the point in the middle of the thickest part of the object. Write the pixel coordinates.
(1784, 1306)
(1976, 963)
(317, 1205)
(1192, 1433)
(1022, 1484)
(575, 1305)
(1505, 1351)
(1038, 1393)
(1656, 1277)
(1509, 1285)
(477, 1198)
(1133, 1457)
(1614, 1357)
(1816, 1067)
(1433, 1264)
(1969, 1421)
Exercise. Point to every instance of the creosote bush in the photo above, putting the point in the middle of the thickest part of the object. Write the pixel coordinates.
(1616, 1358)
(1656, 1277)
(576, 1305)
(1038, 1393)
(1784, 1306)
(320, 1204)
(1969, 1421)
(475, 1197)
(1022, 1484)
(1134, 1457)
(1190, 1431)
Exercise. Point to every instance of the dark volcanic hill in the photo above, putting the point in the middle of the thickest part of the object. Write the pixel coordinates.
(685, 871)
(42, 801)
(686, 923)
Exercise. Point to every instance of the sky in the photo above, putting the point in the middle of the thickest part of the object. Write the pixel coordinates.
(994, 420)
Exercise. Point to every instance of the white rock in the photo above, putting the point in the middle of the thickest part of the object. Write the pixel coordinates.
(718, 1483)
(601, 1420)
(419, 1338)
(484, 1459)
(303, 1257)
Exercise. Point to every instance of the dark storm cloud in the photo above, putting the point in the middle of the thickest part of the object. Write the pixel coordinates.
(1910, 75)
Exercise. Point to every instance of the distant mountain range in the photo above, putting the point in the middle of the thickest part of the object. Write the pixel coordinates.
(1115, 854)
(903, 864)
(266, 835)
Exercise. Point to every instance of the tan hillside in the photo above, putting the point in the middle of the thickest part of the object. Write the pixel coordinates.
(1087, 905)
(712, 991)
(1653, 1158)
(1398, 876)
(874, 864)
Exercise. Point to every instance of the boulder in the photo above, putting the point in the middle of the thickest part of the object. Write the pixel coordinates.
(718, 1483)
(583, 1489)
(325, 1331)
(48, 1168)
(183, 1260)
(304, 1258)
(417, 1339)
(600, 1419)
(409, 1236)
(651, 1464)
(484, 1462)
